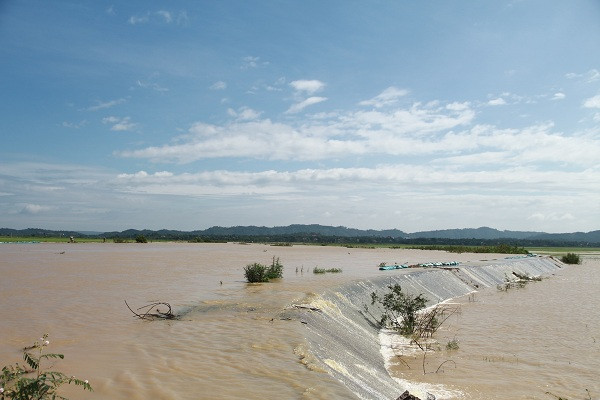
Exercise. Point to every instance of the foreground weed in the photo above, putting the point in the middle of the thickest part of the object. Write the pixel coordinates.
(20, 382)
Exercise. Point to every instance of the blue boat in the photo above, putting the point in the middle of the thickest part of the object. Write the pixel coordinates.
(390, 267)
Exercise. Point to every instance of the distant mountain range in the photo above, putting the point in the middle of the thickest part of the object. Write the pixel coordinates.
(300, 231)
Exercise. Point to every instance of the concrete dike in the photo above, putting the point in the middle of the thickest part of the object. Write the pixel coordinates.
(346, 341)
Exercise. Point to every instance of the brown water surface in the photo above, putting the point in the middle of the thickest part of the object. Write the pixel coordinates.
(231, 344)
(537, 342)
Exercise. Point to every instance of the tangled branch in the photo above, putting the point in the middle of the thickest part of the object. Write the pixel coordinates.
(151, 312)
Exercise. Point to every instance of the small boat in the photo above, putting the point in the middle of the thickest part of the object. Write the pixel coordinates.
(390, 267)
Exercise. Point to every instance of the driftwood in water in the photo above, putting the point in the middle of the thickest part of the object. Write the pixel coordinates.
(151, 311)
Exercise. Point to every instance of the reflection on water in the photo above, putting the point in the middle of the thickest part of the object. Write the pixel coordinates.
(230, 343)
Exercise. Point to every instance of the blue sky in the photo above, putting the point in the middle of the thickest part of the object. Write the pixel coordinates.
(383, 114)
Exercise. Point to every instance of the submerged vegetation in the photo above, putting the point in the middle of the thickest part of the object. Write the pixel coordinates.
(20, 382)
(317, 270)
(400, 310)
(519, 281)
(256, 272)
(407, 314)
(571, 258)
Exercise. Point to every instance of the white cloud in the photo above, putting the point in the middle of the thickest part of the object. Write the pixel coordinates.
(381, 178)
(413, 132)
(592, 102)
(558, 96)
(593, 75)
(307, 86)
(244, 114)
(590, 76)
(551, 217)
(497, 102)
(151, 85)
(296, 108)
(107, 104)
(430, 195)
(219, 85)
(458, 106)
(397, 132)
(160, 17)
(74, 125)
(120, 123)
(166, 15)
(387, 97)
(34, 209)
(136, 19)
(253, 62)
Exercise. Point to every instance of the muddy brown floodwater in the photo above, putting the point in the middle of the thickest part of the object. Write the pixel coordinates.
(229, 343)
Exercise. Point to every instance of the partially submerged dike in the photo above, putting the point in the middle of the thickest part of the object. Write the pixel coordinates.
(346, 341)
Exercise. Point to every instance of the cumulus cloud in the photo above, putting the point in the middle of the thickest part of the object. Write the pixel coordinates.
(137, 19)
(120, 123)
(74, 125)
(592, 102)
(249, 62)
(307, 86)
(497, 102)
(219, 85)
(34, 209)
(244, 114)
(387, 97)
(445, 136)
(590, 76)
(558, 96)
(395, 132)
(166, 15)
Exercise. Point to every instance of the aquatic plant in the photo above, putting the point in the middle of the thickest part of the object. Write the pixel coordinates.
(452, 344)
(317, 270)
(141, 239)
(256, 272)
(571, 258)
(19, 382)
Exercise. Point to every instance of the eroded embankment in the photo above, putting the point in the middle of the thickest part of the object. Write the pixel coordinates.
(346, 340)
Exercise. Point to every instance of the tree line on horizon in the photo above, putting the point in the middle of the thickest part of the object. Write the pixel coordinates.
(320, 234)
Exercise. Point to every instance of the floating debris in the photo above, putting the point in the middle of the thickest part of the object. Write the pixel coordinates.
(148, 314)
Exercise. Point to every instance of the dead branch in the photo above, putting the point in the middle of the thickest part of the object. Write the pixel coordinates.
(447, 361)
(151, 312)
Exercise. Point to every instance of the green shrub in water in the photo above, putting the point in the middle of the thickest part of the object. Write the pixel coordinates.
(317, 270)
(571, 258)
(261, 273)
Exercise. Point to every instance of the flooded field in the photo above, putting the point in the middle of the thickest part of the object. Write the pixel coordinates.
(232, 343)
